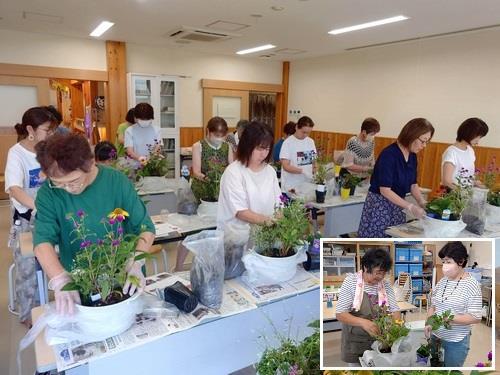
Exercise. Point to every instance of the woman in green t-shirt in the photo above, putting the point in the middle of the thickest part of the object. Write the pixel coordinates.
(120, 132)
(75, 182)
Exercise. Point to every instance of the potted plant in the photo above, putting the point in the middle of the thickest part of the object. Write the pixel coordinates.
(348, 185)
(437, 321)
(423, 354)
(320, 181)
(151, 175)
(390, 329)
(209, 193)
(292, 357)
(444, 213)
(128, 166)
(99, 273)
(280, 245)
(488, 177)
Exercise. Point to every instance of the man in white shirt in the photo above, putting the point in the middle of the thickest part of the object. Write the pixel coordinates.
(297, 156)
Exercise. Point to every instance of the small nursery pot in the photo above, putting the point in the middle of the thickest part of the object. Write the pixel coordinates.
(345, 193)
(422, 360)
(320, 193)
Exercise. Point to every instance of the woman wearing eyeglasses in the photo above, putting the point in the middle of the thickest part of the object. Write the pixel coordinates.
(460, 156)
(459, 293)
(76, 183)
(394, 176)
(22, 180)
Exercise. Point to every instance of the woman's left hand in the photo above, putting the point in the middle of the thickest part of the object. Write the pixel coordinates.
(428, 332)
(135, 279)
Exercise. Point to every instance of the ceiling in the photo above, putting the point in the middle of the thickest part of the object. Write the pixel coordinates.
(301, 25)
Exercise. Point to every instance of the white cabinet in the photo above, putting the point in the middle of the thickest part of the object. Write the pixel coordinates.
(161, 91)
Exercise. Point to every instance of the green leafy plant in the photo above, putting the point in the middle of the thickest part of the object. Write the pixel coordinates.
(350, 181)
(440, 320)
(494, 198)
(322, 168)
(389, 328)
(128, 166)
(293, 358)
(454, 200)
(210, 187)
(424, 350)
(488, 176)
(156, 164)
(289, 229)
(99, 269)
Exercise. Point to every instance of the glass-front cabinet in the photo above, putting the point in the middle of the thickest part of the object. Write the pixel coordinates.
(161, 92)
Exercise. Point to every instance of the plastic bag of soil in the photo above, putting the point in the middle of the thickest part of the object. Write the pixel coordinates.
(207, 270)
(236, 237)
(186, 201)
(474, 214)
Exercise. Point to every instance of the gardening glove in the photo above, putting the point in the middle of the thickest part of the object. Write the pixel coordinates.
(416, 211)
(134, 273)
(65, 300)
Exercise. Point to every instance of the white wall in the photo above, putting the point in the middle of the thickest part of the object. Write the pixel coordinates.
(51, 50)
(444, 79)
(480, 252)
(197, 66)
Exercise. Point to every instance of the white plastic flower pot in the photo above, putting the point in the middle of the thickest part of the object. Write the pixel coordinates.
(101, 322)
(263, 269)
(441, 228)
(208, 208)
(152, 183)
(492, 214)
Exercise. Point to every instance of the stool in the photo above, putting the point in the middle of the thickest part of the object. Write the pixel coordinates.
(12, 290)
(420, 299)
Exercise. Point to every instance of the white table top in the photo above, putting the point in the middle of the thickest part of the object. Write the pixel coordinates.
(160, 191)
(414, 229)
(337, 201)
(188, 223)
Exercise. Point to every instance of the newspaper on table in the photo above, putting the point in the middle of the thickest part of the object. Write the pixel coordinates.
(415, 229)
(163, 228)
(303, 281)
(148, 328)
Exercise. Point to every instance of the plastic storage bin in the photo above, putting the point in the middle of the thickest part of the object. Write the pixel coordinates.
(398, 268)
(416, 255)
(416, 269)
(402, 254)
(417, 285)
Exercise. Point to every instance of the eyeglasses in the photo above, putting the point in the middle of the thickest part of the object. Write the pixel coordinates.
(72, 185)
(48, 131)
(423, 141)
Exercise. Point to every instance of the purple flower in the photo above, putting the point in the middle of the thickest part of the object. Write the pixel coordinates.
(100, 242)
(115, 242)
(119, 230)
(480, 364)
(294, 370)
(80, 213)
(112, 221)
(490, 356)
(85, 244)
(120, 218)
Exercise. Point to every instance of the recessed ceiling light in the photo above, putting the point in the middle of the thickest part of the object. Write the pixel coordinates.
(255, 49)
(277, 8)
(367, 25)
(101, 29)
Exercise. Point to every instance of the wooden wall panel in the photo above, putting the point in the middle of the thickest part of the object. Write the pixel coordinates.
(117, 86)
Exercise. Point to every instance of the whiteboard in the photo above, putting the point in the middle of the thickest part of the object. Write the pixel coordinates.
(229, 108)
(15, 101)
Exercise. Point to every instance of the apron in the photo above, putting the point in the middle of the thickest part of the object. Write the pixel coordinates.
(26, 283)
(355, 340)
(378, 214)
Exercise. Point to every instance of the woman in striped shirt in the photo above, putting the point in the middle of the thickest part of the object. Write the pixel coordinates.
(459, 292)
(358, 293)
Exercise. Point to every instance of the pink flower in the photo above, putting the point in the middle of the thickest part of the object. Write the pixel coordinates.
(112, 221)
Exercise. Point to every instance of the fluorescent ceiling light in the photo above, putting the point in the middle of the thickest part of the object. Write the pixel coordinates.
(255, 49)
(102, 28)
(367, 25)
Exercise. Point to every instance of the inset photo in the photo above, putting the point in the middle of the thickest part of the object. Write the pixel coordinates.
(407, 303)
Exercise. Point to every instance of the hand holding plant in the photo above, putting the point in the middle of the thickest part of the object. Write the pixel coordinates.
(155, 164)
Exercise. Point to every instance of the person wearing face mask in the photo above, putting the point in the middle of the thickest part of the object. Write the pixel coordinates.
(249, 189)
(23, 178)
(359, 149)
(460, 155)
(394, 176)
(212, 149)
(297, 156)
(358, 294)
(460, 293)
(142, 136)
(74, 182)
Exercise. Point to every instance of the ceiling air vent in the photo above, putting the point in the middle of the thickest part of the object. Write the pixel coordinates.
(197, 34)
